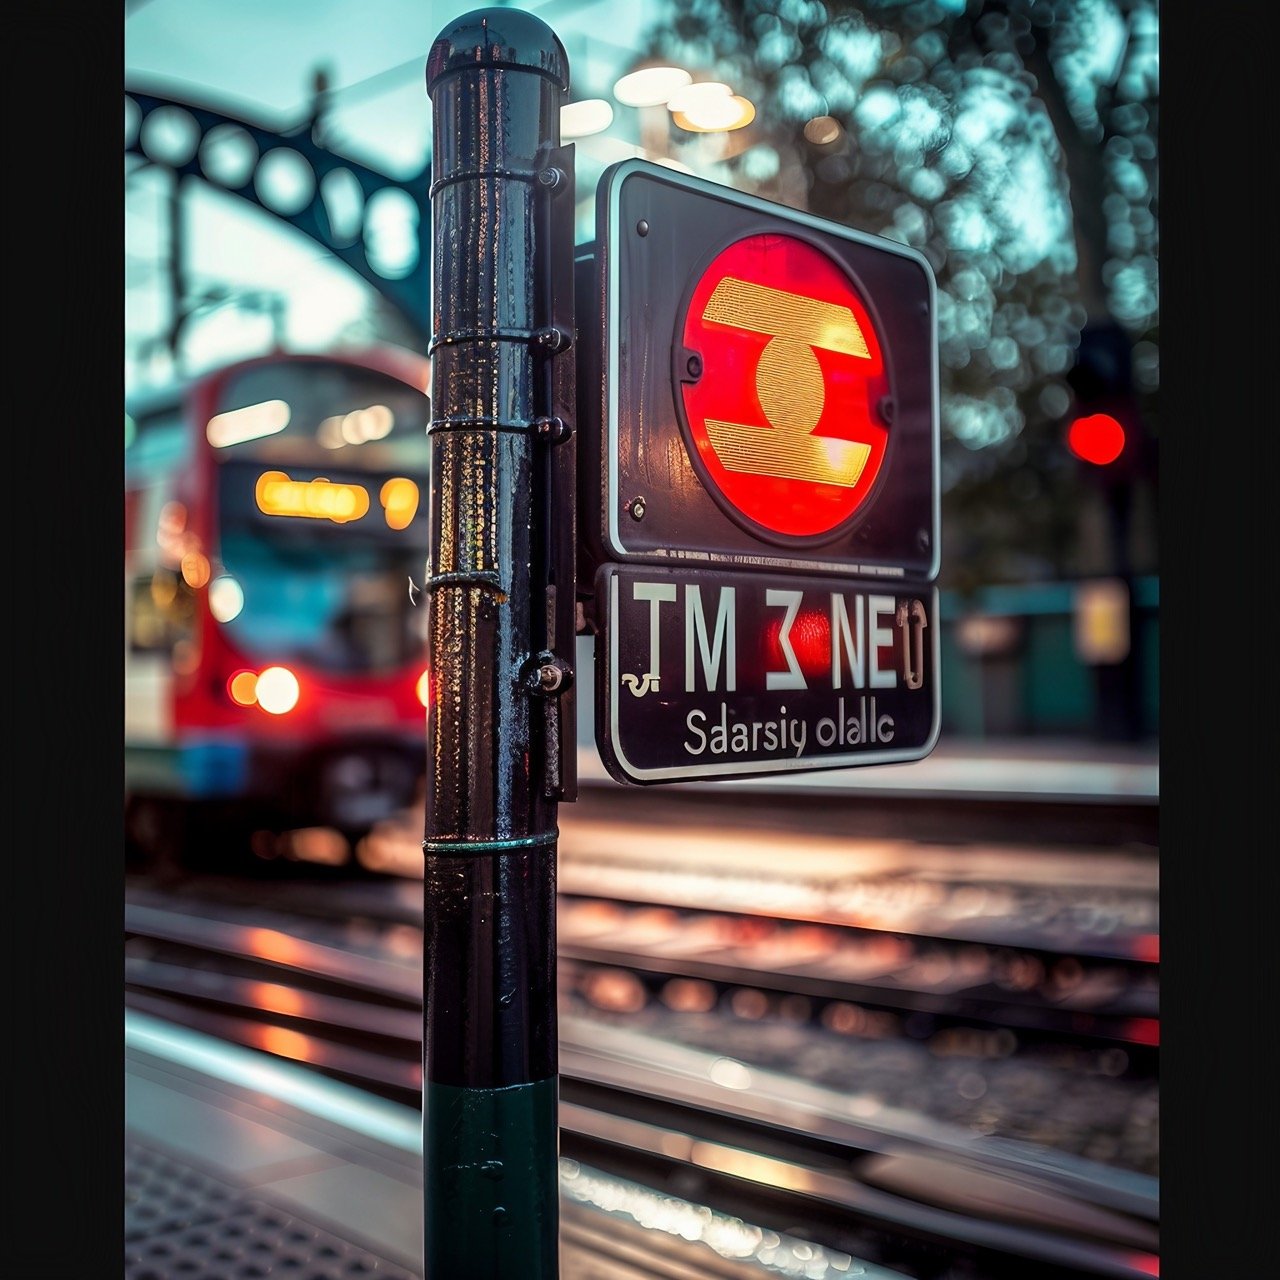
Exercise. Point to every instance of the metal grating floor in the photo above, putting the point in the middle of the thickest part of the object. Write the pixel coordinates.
(182, 1224)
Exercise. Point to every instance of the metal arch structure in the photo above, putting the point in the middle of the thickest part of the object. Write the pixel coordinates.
(408, 293)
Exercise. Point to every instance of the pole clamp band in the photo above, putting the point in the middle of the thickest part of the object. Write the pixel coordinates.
(455, 847)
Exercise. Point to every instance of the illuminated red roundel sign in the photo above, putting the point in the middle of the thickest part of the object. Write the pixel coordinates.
(781, 381)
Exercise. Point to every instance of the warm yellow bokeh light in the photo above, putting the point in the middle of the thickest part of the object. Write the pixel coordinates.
(692, 96)
(399, 497)
(243, 688)
(164, 588)
(288, 1044)
(195, 569)
(271, 944)
(318, 499)
(718, 116)
(276, 998)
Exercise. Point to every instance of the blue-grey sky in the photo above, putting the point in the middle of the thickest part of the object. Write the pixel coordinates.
(256, 59)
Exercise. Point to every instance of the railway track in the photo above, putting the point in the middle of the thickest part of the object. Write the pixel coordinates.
(675, 1091)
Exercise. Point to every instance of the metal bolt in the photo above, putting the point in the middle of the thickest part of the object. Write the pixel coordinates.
(694, 366)
(551, 339)
(636, 507)
(549, 677)
(552, 430)
(550, 177)
(642, 228)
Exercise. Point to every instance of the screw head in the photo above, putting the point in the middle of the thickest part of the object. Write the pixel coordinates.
(636, 507)
(694, 366)
(550, 339)
(551, 429)
(642, 228)
(549, 677)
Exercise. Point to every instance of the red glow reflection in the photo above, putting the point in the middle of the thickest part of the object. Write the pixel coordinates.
(1143, 1030)
(810, 639)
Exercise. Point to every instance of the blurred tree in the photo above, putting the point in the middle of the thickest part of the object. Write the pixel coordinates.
(1013, 142)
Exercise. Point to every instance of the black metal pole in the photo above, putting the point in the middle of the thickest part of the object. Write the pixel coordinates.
(177, 272)
(496, 78)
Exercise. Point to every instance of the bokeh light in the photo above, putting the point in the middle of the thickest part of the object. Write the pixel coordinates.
(226, 598)
(1096, 438)
(277, 690)
(243, 688)
(399, 498)
(581, 119)
(650, 86)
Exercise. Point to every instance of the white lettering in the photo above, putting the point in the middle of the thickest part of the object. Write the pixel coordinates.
(655, 593)
(876, 606)
(725, 636)
(726, 737)
(693, 728)
(792, 677)
(854, 649)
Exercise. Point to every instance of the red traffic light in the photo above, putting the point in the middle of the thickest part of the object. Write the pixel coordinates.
(1097, 438)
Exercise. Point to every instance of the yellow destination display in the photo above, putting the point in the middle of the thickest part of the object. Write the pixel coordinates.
(317, 499)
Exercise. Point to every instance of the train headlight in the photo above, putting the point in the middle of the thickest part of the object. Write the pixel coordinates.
(277, 690)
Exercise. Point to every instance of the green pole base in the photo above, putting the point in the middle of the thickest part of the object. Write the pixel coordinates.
(491, 1182)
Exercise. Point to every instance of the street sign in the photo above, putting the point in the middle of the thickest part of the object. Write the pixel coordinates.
(768, 393)
(726, 673)
(759, 420)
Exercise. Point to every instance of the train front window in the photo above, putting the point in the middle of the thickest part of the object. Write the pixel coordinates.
(316, 568)
(320, 412)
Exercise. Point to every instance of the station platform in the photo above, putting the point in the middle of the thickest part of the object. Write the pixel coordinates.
(991, 769)
(241, 1165)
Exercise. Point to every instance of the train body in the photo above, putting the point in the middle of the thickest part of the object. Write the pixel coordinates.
(275, 648)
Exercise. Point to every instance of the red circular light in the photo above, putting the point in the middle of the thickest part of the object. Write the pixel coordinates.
(781, 377)
(1099, 439)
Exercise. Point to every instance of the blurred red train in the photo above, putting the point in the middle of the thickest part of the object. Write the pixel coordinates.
(275, 545)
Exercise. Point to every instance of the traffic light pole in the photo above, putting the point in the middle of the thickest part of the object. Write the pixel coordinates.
(500, 618)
